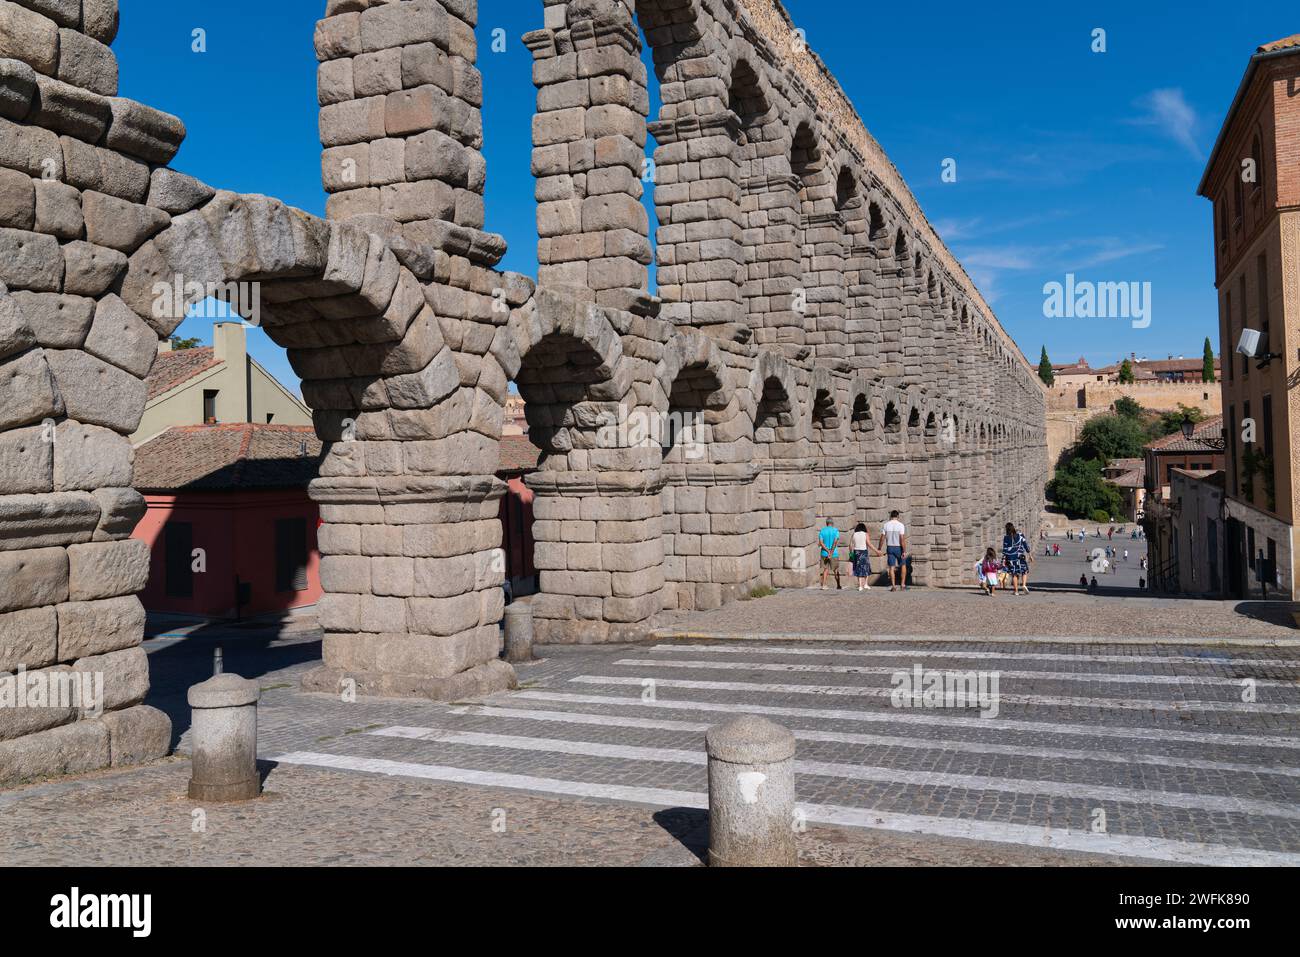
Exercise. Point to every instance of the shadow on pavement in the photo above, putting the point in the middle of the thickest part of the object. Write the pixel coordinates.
(690, 826)
(250, 649)
(1273, 612)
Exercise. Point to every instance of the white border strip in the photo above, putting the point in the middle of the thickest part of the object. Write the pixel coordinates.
(897, 716)
(985, 655)
(1058, 701)
(872, 740)
(1062, 839)
(671, 634)
(1074, 791)
(1091, 677)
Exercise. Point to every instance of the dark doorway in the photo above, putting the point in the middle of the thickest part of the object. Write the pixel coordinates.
(1233, 564)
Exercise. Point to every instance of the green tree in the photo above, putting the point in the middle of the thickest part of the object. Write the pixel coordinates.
(179, 343)
(1207, 368)
(1079, 490)
(1126, 373)
(1110, 437)
(1128, 408)
(1171, 422)
(1045, 369)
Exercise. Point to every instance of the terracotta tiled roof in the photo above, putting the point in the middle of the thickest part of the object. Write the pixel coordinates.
(1126, 464)
(518, 454)
(170, 369)
(234, 456)
(1133, 479)
(1175, 365)
(1292, 41)
(1210, 428)
(1213, 476)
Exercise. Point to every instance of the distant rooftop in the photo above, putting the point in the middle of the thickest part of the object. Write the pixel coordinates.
(1209, 428)
(234, 456)
(173, 368)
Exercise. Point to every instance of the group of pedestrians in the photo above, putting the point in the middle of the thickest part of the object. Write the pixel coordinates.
(1013, 567)
(891, 545)
(1081, 535)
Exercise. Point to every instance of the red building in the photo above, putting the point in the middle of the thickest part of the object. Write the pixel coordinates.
(233, 533)
(229, 523)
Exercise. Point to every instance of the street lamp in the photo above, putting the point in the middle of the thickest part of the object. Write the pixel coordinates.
(1217, 442)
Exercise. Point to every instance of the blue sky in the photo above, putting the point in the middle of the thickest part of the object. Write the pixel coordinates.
(1066, 160)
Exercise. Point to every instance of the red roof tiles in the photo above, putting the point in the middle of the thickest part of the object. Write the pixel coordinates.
(170, 369)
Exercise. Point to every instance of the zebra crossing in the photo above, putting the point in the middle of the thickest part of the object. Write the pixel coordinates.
(1151, 752)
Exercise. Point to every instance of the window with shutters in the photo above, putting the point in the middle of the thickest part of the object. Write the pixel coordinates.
(290, 554)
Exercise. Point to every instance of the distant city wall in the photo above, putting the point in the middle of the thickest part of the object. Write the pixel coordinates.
(1065, 418)
(1162, 396)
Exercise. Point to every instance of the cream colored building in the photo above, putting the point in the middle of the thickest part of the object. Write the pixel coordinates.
(217, 384)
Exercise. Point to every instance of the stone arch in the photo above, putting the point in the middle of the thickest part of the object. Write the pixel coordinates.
(773, 389)
(893, 420)
(861, 418)
(749, 93)
(823, 409)
(848, 187)
(692, 361)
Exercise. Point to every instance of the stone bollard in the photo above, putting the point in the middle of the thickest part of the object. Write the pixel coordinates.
(519, 632)
(224, 736)
(751, 794)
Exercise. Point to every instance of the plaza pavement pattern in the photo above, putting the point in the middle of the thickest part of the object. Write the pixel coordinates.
(1169, 733)
(1129, 751)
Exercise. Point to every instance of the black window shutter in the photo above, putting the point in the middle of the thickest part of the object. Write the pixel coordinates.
(290, 554)
(178, 546)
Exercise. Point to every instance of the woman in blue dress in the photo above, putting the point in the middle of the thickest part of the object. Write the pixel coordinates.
(1015, 555)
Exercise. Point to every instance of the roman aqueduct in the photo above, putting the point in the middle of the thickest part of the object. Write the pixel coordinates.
(826, 353)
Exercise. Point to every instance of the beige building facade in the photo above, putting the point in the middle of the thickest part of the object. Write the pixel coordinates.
(216, 385)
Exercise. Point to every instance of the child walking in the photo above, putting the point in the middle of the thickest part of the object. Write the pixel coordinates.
(989, 569)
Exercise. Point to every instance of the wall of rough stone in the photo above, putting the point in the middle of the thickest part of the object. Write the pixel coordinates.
(82, 184)
(821, 350)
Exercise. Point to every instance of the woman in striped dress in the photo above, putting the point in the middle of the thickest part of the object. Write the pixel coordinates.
(1015, 555)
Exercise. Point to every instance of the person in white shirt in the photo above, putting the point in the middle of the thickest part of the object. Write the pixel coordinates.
(893, 541)
(860, 555)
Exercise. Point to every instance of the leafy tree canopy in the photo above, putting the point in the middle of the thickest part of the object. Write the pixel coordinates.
(1112, 436)
(1079, 490)
(1128, 408)
(1171, 422)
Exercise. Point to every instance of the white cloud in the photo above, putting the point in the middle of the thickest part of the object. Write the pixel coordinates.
(1168, 111)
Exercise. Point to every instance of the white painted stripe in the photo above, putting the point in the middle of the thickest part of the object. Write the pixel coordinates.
(896, 716)
(1063, 839)
(741, 649)
(1085, 676)
(879, 775)
(874, 740)
(498, 779)
(859, 638)
(1061, 701)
